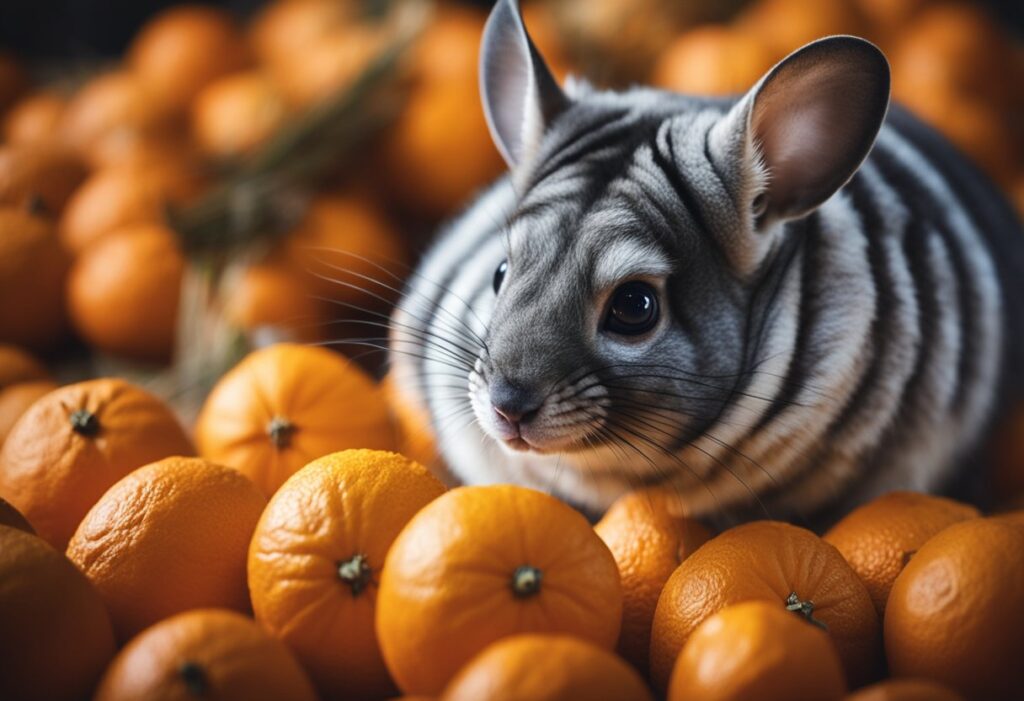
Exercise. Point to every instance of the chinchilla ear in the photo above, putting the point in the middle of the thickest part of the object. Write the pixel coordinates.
(809, 124)
(520, 96)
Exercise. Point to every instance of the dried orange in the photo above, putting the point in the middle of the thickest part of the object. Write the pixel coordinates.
(126, 195)
(37, 117)
(286, 405)
(879, 538)
(649, 537)
(481, 563)
(316, 556)
(273, 302)
(713, 60)
(169, 537)
(534, 667)
(183, 49)
(206, 653)
(905, 690)
(775, 562)
(33, 267)
(56, 634)
(9, 516)
(74, 443)
(236, 113)
(954, 614)
(123, 293)
(41, 172)
(757, 650)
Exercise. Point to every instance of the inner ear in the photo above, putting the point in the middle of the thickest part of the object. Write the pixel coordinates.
(520, 96)
(814, 119)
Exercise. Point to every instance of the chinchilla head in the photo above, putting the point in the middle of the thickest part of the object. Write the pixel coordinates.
(641, 251)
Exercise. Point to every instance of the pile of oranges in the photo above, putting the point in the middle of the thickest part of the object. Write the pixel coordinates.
(299, 556)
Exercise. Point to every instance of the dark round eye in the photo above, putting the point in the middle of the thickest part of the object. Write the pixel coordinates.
(499, 275)
(633, 310)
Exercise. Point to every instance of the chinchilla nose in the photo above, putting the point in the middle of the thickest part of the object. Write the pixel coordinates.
(514, 402)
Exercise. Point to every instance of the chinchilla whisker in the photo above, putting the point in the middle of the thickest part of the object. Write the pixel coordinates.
(452, 349)
(393, 349)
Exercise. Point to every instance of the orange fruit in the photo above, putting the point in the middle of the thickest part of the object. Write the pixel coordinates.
(132, 148)
(206, 653)
(123, 293)
(236, 113)
(272, 301)
(316, 556)
(33, 267)
(774, 562)
(36, 117)
(18, 366)
(74, 443)
(13, 80)
(57, 637)
(285, 405)
(183, 49)
(9, 516)
(889, 18)
(879, 538)
(954, 614)
(169, 537)
(648, 537)
(16, 399)
(480, 563)
(713, 60)
(546, 668)
(127, 195)
(786, 25)
(757, 650)
(413, 431)
(284, 27)
(905, 690)
(38, 172)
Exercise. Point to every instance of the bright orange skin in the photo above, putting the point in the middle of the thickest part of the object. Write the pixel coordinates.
(16, 399)
(54, 475)
(183, 49)
(169, 537)
(905, 690)
(236, 113)
(330, 403)
(350, 503)
(648, 537)
(273, 298)
(235, 658)
(35, 118)
(879, 538)
(767, 561)
(9, 516)
(446, 589)
(43, 170)
(535, 667)
(757, 650)
(56, 634)
(955, 612)
(123, 293)
(412, 426)
(713, 60)
(33, 268)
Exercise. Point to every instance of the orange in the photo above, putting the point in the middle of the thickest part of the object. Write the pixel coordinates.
(879, 538)
(757, 650)
(774, 562)
(125, 195)
(33, 267)
(480, 563)
(12, 80)
(74, 443)
(954, 614)
(889, 18)
(16, 399)
(905, 690)
(18, 366)
(273, 301)
(37, 117)
(315, 561)
(38, 172)
(132, 148)
(169, 537)
(413, 431)
(123, 293)
(9, 516)
(57, 637)
(286, 405)
(546, 668)
(786, 25)
(183, 49)
(284, 27)
(713, 60)
(206, 653)
(236, 113)
(648, 537)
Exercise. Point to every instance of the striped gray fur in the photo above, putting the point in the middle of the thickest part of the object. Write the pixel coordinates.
(865, 346)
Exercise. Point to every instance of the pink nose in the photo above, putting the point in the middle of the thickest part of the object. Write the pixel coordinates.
(512, 417)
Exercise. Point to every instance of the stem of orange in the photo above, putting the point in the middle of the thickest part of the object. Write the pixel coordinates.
(194, 678)
(356, 573)
(804, 608)
(280, 431)
(84, 422)
(526, 581)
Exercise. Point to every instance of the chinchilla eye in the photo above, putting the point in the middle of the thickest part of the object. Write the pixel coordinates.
(633, 309)
(499, 275)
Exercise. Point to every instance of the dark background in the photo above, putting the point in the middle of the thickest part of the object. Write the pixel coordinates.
(88, 29)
